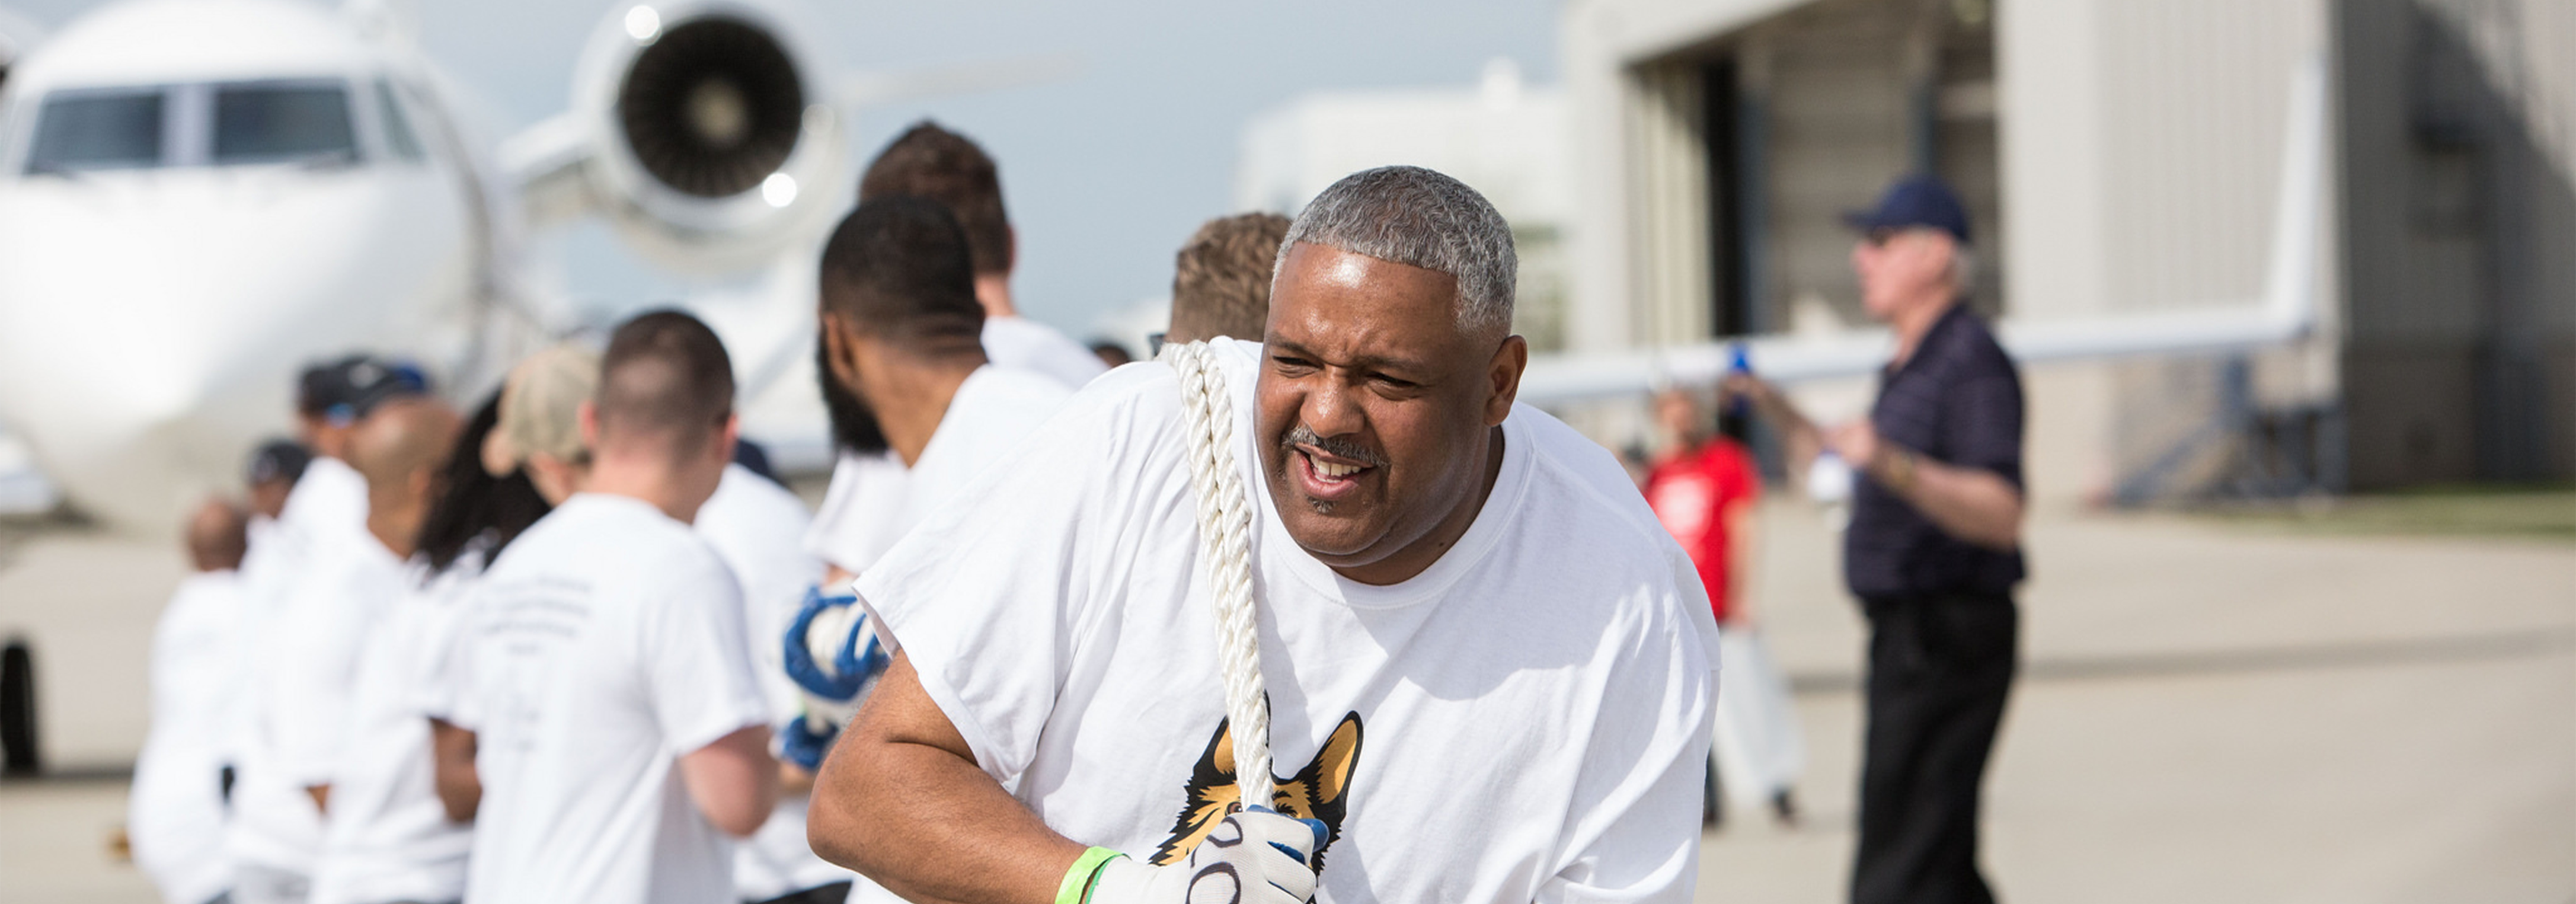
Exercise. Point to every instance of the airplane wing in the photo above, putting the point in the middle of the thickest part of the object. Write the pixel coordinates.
(872, 89)
(547, 165)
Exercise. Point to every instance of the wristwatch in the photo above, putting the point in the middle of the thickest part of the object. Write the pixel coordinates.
(1900, 468)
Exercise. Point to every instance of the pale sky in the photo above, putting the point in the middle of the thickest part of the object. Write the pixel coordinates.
(1105, 172)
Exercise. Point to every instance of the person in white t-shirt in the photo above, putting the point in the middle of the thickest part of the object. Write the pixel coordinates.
(175, 820)
(928, 161)
(900, 337)
(532, 459)
(621, 736)
(389, 836)
(276, 832)
(1489, 671)
(755, 525)
(323, 626)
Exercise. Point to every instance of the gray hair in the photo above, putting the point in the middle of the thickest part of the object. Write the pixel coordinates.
(1963, 269)
(1419, 218)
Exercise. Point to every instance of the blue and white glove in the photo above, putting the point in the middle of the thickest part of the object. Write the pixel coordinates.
(805, 739)
(834, 655)
(1254, 857)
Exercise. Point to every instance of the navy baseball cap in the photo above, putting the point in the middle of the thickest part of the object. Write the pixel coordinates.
(347, 389)
(279, 459)
(1914, 201)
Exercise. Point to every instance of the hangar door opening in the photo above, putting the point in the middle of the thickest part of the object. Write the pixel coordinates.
(1747, 148)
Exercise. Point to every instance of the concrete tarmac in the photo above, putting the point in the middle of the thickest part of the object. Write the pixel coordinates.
(2208, 712)
(2219, 713)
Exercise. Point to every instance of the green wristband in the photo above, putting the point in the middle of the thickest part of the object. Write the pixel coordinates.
(1077, 881)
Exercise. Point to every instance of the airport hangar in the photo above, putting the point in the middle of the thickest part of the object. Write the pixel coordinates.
(2119, 158)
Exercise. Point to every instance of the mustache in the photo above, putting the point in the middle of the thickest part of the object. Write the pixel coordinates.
(1335, 446)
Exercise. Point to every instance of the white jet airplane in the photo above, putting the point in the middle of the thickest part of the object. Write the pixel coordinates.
(200, 197)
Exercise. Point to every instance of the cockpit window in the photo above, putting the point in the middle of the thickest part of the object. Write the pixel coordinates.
(398, 133)
(294, 122)
(98, 130)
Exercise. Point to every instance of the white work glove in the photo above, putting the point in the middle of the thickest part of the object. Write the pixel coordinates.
(1253, 857)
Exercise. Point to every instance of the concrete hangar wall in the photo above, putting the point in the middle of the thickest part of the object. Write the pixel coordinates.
(2119, 158)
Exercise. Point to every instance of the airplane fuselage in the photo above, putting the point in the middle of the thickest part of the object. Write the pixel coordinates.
(196, 200)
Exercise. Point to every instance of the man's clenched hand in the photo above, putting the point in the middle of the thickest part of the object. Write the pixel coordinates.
(1253, 857)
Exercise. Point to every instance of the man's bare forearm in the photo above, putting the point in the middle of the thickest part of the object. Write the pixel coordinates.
(1972, 504)
(902, 801)
(1740, 525)
(460, 788)
(1800, 440)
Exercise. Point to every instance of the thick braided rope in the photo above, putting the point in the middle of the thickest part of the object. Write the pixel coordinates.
(1225, 538)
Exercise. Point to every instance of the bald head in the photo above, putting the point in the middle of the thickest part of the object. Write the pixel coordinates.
(399, 449)
(218, 535)
(402, 440)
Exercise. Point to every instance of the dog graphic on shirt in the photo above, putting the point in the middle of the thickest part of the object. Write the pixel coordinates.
(1320, 792)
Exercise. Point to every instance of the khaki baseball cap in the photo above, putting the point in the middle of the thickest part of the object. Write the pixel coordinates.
(541, 409)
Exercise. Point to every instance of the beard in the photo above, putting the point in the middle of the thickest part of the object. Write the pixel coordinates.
(854, 424)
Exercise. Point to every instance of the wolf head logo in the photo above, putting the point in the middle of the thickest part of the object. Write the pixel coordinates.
(1320, 792)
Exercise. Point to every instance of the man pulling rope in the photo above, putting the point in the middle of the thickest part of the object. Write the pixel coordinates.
(1488, 672)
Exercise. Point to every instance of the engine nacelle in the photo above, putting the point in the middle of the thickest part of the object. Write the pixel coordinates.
(716, 145)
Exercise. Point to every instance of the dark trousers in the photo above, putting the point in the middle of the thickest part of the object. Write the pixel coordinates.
(1939, 670)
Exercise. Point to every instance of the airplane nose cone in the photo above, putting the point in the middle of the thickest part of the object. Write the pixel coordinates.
(151, 324)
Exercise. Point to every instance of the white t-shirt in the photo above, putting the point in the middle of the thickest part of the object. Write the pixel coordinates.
(851, 529)
(1024, 344)
(388, 837)
(993, 412)
(321, 631)
(1526, 720)
(176, 817)
(754, 525)
(262, 561)
(607, 642)
(330, 495)
(874, 500)
(331, 499)
(300, 645)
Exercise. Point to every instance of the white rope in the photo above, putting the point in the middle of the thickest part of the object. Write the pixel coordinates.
(1225, 540)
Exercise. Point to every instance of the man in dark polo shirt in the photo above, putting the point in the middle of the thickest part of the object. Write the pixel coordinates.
(1933, 549)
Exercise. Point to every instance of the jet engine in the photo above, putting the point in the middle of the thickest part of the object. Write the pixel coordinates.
(707, 139)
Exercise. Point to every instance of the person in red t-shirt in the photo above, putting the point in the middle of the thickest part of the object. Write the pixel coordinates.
(1703, 490)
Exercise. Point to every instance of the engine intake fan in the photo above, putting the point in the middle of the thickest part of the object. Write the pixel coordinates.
(712, 107)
